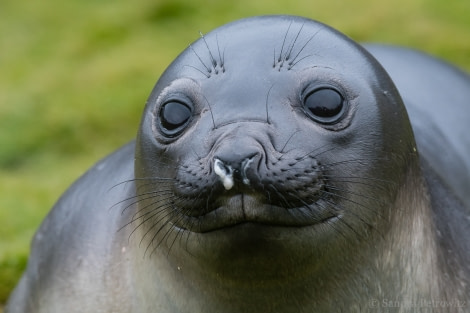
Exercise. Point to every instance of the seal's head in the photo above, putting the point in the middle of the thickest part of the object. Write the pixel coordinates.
(270, 142)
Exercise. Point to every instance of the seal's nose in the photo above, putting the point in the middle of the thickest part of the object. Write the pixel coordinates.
(237, 162)
(237, 155)
(233, 170)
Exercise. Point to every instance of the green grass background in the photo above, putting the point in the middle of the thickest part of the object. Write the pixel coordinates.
(75, 74)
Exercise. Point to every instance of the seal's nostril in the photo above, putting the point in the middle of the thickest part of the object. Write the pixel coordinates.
(225, 173)
(244, 167)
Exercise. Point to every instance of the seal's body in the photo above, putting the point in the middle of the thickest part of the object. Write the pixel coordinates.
(275, 170)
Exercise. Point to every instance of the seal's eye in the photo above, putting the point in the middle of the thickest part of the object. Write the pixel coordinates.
(174, 116)
(325, 105)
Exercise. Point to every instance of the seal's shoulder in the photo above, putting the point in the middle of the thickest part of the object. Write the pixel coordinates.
(94, 186)
(75, 233)
(436, 96)
(93, 194)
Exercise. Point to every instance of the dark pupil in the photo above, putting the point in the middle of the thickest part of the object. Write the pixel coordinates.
(174, 115)
(324, 103)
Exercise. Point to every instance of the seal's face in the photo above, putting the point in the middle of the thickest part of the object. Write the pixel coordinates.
(265, 129)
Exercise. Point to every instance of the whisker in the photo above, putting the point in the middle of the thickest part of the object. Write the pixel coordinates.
(284, 42)
(292, 64)
(135, 202)
(195, 153)
(160, 200)
(309, 154)
(195, 68)
(210, 110)
(214, 63)
(274, 58)
(155, 178)
(136, 218)
(266, 104)
(307, 206)
(330, 187)
(200, 60)
(169, 213)
(138, 196)
(293, 43)
(291, 136)
(346, 179)
(159, 230)
(349, 161)
(354, 202)
(178, 232)
(221, 57)
(304, 46)
(152, 214)
(352, 213)
(333, 225)
(153, 187)
(341, 220)
(169, 231)
(279, 194)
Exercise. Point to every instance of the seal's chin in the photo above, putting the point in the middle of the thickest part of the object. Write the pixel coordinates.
(241, 209)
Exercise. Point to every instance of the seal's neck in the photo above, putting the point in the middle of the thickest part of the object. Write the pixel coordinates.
(424, 273)
(400, 267)
(407, 262)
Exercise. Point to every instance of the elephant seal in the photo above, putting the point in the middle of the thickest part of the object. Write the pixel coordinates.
(275, 170)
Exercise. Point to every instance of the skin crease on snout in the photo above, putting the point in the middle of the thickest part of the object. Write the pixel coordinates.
(279, 167)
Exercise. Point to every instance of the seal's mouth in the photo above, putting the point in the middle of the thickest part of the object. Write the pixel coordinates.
(285, 192)
(243, 208)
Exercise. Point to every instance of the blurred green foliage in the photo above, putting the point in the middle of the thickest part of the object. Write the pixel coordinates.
(75, 76)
